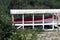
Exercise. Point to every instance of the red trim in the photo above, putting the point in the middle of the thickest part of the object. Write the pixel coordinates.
(17, 19)
(48, 17)
(30, 19)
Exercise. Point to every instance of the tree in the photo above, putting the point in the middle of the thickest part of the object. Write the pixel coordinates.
(5, 20)
(34, 4)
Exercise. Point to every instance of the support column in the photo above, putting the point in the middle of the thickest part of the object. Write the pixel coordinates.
(43, 21)
(12, 20)
(23, 20)
(53, 22)
(33, 21)
(58, 20)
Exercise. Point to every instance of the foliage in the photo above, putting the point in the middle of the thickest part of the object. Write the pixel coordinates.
(34, 4)
(25, 34)
(5, 20)
(5, 26)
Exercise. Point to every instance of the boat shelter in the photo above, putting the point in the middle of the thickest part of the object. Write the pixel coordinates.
(45, 18)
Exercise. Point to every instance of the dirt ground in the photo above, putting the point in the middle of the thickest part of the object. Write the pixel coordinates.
(49, 35)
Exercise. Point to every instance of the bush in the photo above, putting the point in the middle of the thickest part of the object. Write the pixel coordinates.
(25, 34)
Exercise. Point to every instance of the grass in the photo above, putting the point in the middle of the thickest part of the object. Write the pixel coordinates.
(25, 34)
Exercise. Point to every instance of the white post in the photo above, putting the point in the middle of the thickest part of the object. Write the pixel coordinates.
(43, 21)
(12, 20)
(53, 22)
(23, 20)
(33, 21)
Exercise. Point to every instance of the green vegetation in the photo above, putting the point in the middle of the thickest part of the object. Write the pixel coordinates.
(5, 18)
(25, 34)
(34, 4)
